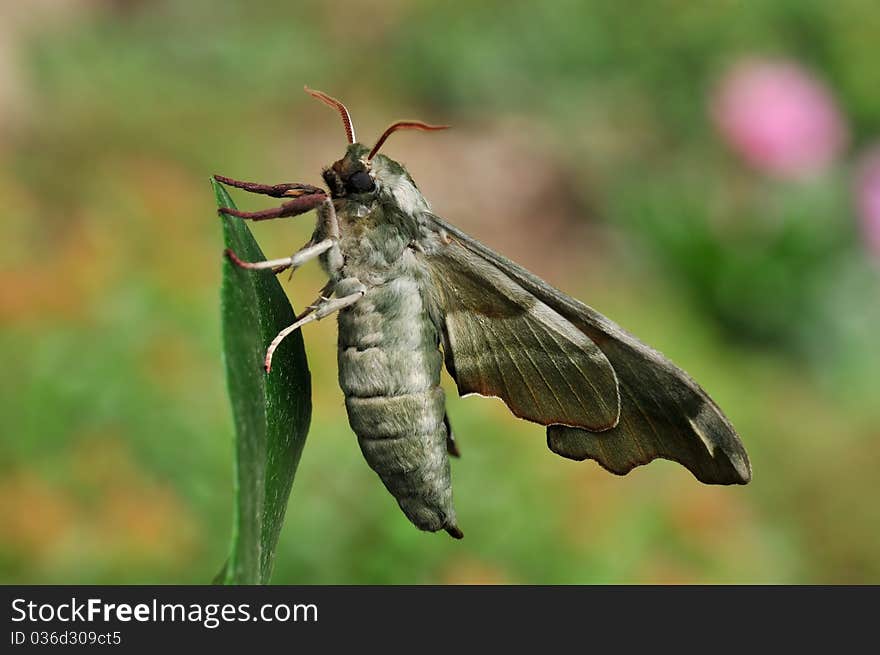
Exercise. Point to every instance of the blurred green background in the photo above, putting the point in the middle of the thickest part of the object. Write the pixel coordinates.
(583, 147)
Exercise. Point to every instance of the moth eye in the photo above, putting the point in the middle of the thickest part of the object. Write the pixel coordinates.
(360, 182)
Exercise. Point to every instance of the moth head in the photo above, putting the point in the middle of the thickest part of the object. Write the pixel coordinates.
(352, 175)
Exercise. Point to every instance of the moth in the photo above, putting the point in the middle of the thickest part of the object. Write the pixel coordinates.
(413, 292)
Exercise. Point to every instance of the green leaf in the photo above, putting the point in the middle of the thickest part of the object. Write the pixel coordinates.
(272, 412)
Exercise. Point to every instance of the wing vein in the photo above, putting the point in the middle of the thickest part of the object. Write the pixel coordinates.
(555, 363)
(549, 386)
(519, 370)
(487, 327)
(579, 370)
(537, 368)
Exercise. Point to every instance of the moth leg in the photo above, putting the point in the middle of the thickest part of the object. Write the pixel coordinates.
(323, 296)
(297, 259)
(323, 308)
(329, 220)
(295, 207)
(451, 445)
(328, 227)
(286, 190)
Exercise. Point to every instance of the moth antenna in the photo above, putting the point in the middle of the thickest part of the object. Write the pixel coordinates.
(338, 106)
(402, 125)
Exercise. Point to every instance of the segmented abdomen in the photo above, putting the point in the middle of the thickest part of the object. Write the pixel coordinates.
(389, 370)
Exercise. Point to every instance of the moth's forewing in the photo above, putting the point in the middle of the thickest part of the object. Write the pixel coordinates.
(502, 341)
(663, 412)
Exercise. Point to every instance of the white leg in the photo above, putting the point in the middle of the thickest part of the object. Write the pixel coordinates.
(296, 260)
(323, 296)
(327, 212)
(328, 226)
(324, 308)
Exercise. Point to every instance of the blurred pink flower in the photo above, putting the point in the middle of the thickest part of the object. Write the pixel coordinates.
(868, 198)
(779, 118)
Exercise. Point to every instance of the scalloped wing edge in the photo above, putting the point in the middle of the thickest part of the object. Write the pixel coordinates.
(664, 412)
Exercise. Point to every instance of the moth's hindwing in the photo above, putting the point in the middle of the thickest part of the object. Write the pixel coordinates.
(559, 363)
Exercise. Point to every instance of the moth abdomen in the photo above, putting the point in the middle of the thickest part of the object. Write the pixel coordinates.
(394, 417)
(403, 439)
(380, 371)
(415, 469)
(389, 370)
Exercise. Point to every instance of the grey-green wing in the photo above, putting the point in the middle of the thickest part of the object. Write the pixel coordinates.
(500, 340)
(663, 412)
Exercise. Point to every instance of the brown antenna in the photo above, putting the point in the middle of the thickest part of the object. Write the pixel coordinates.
(338, 106)
(402, 125)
